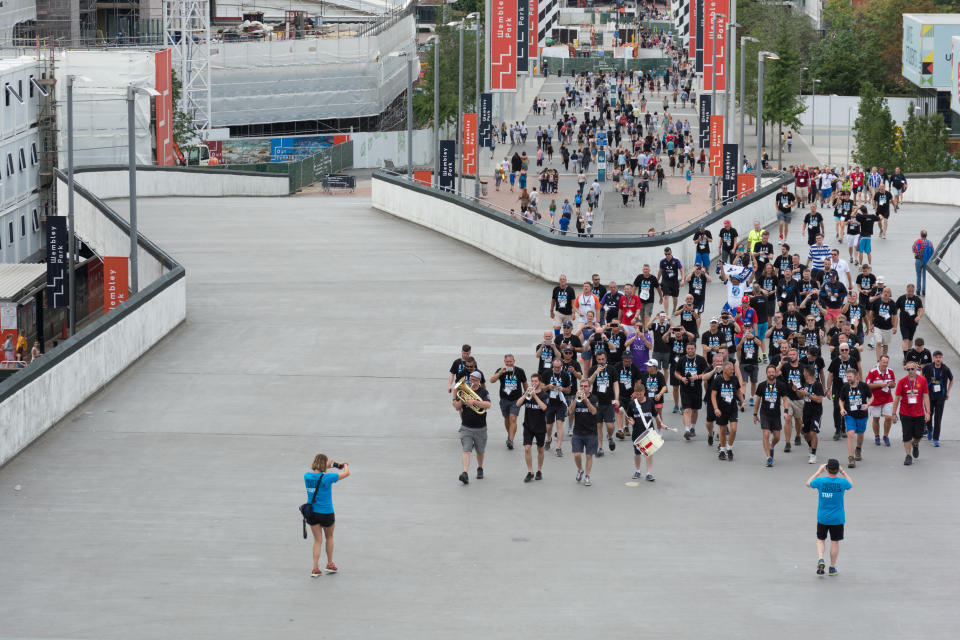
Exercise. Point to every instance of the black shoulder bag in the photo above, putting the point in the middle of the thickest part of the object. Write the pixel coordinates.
(306, 509)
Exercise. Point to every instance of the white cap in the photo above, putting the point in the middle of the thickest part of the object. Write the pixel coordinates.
(881, 279)
(652, 363)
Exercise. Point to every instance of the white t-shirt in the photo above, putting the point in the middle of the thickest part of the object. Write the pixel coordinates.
(734, 293)
(842, 267)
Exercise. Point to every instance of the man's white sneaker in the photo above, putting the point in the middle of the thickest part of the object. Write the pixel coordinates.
(812, 459)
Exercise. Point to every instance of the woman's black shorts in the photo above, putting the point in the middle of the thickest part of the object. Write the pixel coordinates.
(322, 519)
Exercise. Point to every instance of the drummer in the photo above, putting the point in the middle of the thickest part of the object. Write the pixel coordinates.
(639, 412)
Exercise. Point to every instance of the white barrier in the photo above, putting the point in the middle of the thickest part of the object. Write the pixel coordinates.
(114, 182)
(547, 255)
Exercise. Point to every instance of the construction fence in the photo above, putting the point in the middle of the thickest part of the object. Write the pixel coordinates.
(305, 172)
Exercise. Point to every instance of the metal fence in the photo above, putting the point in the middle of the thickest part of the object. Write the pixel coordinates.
(606, 63)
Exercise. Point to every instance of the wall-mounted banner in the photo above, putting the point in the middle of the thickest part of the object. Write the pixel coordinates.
(448, 165)
(57, 262)
(696, 44)
(423, 176)
(523, 34)
(729, 171)
(503, 46)
(533, 39)
(718, 40)
(745, 182)
(486, 119)
(716, 145)
(469, 138)
(704, 128)
(116, 288)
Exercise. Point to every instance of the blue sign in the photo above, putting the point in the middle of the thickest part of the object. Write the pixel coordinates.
(290, 149)
(601, 139)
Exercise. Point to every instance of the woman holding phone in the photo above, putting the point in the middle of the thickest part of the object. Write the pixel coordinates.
(319, 485)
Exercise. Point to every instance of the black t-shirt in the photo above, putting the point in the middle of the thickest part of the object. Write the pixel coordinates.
(712, 340)
(703, 238)
(570, 367)
(832, 295)
(626, 377)
(511, 384)
(813, 409)
(547, 355)
(458, 369)
(937, 379)
(769, 395)
(728, 331)
(677, 346)
(571, 341)
(812, 222)
(866, 220)
(685, 366)
(792, 322)
(855, 399)
(883, 313)
(866, 282)
(688, 321)
(562, 379)
(670, 271)
(603, 383)
(785, 201)
(726, 391)
(897, 181)
(882, 200)
(764, 253)
(653, 383)
(776, 335)
(759, 306)
(839, 370)
(787, 292)
(817, 365)
(616, 345)
(908, 308)
(750, 352)
(853, 227)
(792, 374)
(921, 357)
(645, 286)
(782, 262)
(472, 419)
(535, 418)
(728, 238)
(564, 300)
(844, 209)
(611, 305)
(698, 289)
(584, 422)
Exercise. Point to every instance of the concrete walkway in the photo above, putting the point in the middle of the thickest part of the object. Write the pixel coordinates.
(165, 506)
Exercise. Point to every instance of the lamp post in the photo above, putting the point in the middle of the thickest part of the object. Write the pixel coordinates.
(409, 57)
(731, 94)
(713, 96)
(742, 149)
(829, 128)
(459, 137)
(71, 277)
(813, 109)
(436, 111)
(763, 55)
(132, 92)
(848, 136)
(476, 106)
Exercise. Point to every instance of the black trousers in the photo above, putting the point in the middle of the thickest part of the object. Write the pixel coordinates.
(838, 424)
(936, 415)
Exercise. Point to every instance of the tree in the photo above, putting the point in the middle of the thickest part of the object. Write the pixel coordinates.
(449, 42)
(874, 129)
(879, 27)
(781, 99)
(184, 133)
(924, 143)
(842, 59)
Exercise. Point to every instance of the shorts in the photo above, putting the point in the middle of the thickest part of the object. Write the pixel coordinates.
(836, 531)
(711, 416)
(770, 423)
(560, 318)
(894, 192)
(783, 216)
(880, 410)
(509, 407)
(811, 424)
(605, 412)
(853, 241)
(907, 331)
(795, 408)
(749, 372)
(556, 411)
(670, 289)
(691, 400)
(864, 245)
(322, 519)
(646, 308)
(831, 314)
(702, 259)
(727, 415)
(884, 336)
(800, 192)
(762, 330)
(913, 427)
(826, 193)
(529, 436)
(884, 213)
(858, 425)
(584, 444)
(473, 439)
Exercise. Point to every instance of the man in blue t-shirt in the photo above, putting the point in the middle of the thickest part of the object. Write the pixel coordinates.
(830, 515)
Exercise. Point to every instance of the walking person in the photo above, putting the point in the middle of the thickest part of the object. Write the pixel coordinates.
(319, 484)
(854, 397)
(912, 406)
(473, 425)
(922, 252)
(939, 381)
(584, 439)
(830, 513)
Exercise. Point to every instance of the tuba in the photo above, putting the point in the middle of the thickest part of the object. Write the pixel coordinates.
(464, 392)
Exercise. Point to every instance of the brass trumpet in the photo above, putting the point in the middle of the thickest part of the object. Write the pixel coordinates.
(529, 393)
(464, 393)
(579, 396)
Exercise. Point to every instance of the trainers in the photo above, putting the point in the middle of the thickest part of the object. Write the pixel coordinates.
(676, 409)
(936, 443)
(723, 455)
(586, 481)
(539, 475)
(464, 478)
(559, 452)
(770, 461)
(812, 459)
(686, 435)
(908, 460)
(579, 475)
(637, 475)
(876, 441)
(600, 452)
(929, 433)
(751, 401)
(528, 477)
(546, 445)
(316, 573)
(332, 568)
(797, 441)
(509, 444)
(693, 432)
(611, 444)
(650, 477)
(786, 448)
(479, 473)
(820, 566)
(916, 450)
(730, 455)
(836, 436)
(886, 441)
(851, 462)
(858, 454)
(710, 440)
(832, 571)
(619, 434)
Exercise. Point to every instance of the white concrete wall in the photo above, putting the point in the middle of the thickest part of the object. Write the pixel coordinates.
(532, 253)
(933, 190)
(833, 111)
(114, 183)
(372, 149)
(943, 310)
(42, 403)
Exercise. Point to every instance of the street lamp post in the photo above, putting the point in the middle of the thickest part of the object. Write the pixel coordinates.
(476, 108)
(829, 128)
(71, 283)
(742, 149)
(763, 55)
(731, 93)
(132, 92)
(410, 57)
(436, 111)
(459, 136)
(848, 136)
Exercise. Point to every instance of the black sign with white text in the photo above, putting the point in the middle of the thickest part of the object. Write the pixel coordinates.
(705, 112)
(448, 165)
(486, 119)
(523, 32)
(729, 171)
(57, 249)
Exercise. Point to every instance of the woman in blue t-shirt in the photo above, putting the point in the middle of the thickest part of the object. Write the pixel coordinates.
(319, 484)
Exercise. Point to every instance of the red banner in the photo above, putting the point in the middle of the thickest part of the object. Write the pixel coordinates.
(692, 40)
(116, 278)
(164, 108)
(710, 8)
(423, 176)
(503, 42)
(534, 22)
(745, 182)
(716, 145)
(469, 138)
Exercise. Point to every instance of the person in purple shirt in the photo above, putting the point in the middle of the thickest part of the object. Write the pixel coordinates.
(639, 342)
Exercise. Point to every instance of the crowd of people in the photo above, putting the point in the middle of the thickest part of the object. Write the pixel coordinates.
(799, 334)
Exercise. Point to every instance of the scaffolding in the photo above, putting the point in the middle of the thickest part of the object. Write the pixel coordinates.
(47, 131)
(186, 28)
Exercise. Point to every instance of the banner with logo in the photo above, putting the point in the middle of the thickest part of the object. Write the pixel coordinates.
(523, 34)
(745, 182)
(696, 43)
(57, 247)
(469, 138)
(715, 142)
(704, 128)
(715, 43)
(116, 278)
(486, 119)
(533, 39)
(448, 165)
(729, 170)
(503, 46)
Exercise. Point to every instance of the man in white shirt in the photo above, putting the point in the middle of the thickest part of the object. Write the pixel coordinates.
(841, 266)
